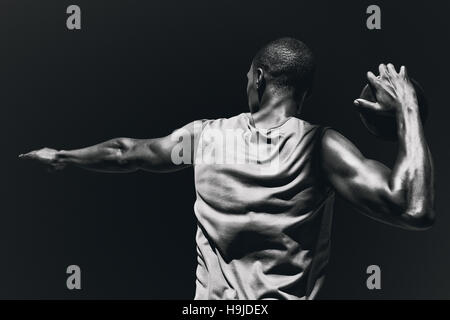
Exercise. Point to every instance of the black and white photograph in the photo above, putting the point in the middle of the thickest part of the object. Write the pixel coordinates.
(190, 151)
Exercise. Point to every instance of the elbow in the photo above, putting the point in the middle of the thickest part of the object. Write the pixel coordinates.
(420, 220)
(416, 213)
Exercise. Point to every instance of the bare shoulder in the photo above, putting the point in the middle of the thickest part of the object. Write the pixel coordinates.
(192, 129)
(338, 152)
(334, 142)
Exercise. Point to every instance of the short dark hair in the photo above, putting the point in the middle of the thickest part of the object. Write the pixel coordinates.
(288, 63)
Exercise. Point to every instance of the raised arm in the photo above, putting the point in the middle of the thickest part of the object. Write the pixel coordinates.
(126, 154)
(403, 196)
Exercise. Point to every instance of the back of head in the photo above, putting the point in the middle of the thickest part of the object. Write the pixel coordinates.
(287, 64)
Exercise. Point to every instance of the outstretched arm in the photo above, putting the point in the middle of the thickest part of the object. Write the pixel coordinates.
(403, 196)
(126, 154)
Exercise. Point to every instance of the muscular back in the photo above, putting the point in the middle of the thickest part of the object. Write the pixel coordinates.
(260, 226)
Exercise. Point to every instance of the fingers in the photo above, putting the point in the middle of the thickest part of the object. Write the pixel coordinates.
(387, 70)
(391, 69)
(392, 72)
(29, 155)
(383, 71)
(403, 72)
(365, 104)
(387, 78)
(374, 82)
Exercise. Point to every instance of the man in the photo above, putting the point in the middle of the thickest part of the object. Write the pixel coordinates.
(264, 231)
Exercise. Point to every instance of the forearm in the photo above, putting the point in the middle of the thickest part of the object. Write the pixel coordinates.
(108, 156)
(413, 173)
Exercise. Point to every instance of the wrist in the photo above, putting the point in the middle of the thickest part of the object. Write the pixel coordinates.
(61, 156)
(408, 107)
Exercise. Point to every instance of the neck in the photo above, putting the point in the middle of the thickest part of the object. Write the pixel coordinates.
(274, 111)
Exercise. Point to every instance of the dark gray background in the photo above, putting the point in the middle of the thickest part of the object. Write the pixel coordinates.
(143, 68)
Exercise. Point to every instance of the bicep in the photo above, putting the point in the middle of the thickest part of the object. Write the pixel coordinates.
(363, 182)
(170, 153)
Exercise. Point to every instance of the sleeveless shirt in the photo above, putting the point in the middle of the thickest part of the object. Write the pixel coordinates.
(263, 209)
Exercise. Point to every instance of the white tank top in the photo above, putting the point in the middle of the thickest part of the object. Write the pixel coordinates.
(263, 221)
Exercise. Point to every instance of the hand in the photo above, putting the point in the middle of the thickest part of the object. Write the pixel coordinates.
(392, 91)
(46, 156)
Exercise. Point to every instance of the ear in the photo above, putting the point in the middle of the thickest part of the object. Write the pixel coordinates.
(259, 78)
